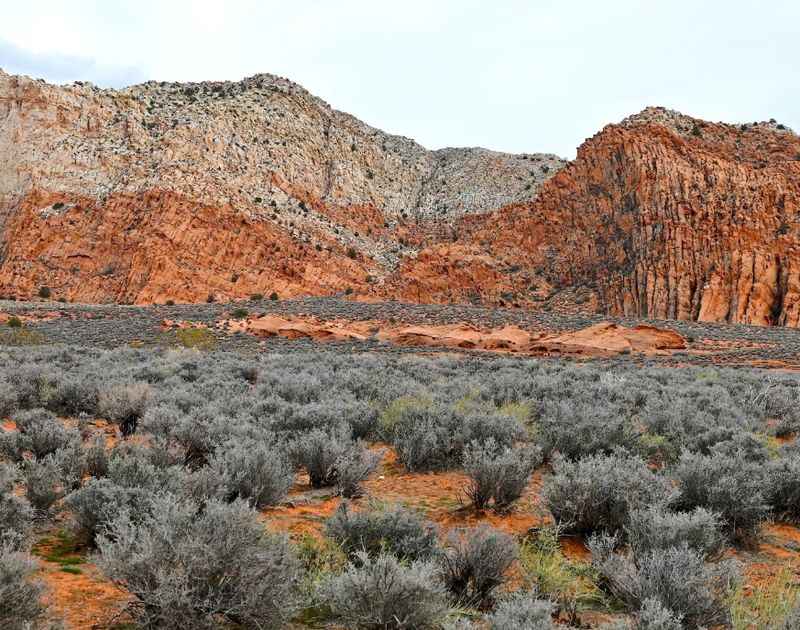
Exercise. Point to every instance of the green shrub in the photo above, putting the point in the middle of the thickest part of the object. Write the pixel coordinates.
(196, 338)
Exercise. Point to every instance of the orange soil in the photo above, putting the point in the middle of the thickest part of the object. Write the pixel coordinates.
(440, 496)
(83, 601)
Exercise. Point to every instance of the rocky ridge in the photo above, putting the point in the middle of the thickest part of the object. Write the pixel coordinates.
(263, 147)
(661, 216)
(220, 190)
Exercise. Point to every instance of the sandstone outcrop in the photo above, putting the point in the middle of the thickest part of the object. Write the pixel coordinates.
(167, 191)
(217, 191)
(602, 339)
(662, 216)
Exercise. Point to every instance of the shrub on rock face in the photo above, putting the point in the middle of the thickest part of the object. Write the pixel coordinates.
(522, 611)
(731, 486)
(654, 528)
(498, 474)
(254, 471)
(382, 592)
(597, 493)
(20, 594)
(396, 530)
(189, 568)
(677, 578)
(475, 563)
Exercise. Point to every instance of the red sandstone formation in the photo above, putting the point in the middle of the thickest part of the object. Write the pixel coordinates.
(603, 339)
(662, 216)
(188, 192)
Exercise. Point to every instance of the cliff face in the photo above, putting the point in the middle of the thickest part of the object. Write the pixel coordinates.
(181, 191)
(328, 197)
(662, 216)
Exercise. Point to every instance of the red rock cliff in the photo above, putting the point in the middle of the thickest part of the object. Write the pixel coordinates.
(662, 216)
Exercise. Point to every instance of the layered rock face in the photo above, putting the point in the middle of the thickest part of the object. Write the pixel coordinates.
(661, 216)
(221, 190)
(133, 194)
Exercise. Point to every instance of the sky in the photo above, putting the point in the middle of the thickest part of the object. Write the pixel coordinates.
(523, 77)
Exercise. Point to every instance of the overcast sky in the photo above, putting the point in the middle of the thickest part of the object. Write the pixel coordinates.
(508, 75)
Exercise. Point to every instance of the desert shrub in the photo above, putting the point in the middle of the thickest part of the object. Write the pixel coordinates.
(73, 396)
(654, 616)
(792, 620)
(549, 573)
(321, 453)
(598, 492)
(33, 384)
(298, 420)
(731, 486)
(677, 578)
(434, 438)
(475, 562)
(353, 467)
(741, 444)
(383, 593)
(20, 594)
(498, 474)
(43, 485)
(196, 338)
(71, 462)
(8, 399)
(44, 293)
(522, 611)
(254, 471)
(187, 568)
(94, 506)
(96, 457)
(576, 427)
(16, 516)
(14, 322)
(396, 530)
(125, 405)
(653, 528)
(783, 487)
(40, 432)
